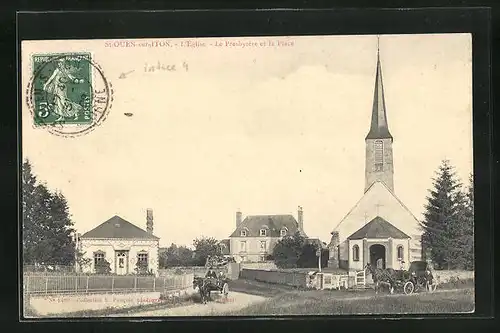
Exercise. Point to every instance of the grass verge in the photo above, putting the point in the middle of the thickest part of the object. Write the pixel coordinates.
(325, 303)
(450, 297)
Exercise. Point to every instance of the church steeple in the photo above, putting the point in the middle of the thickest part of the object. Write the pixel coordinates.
(379, 159)
(379, 128)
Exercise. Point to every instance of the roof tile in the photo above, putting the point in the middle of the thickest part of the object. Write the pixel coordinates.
(116, 227)
(378, 228)
(274, 223)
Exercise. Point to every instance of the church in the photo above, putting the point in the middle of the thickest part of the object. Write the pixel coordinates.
(379, 229)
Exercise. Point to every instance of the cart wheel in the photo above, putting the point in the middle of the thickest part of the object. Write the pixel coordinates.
(409, 288)
(431, 287)
(225, 289)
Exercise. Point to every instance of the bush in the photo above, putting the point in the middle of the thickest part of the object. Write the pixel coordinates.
(141, 268)
(102, 267)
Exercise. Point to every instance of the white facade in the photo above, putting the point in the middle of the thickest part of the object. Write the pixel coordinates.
(380, 201)
(252, 249)
(122, 254)
(356, 262)
(397, 254)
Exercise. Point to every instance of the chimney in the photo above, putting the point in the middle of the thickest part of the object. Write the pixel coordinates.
(300, 218)
(238, 219)
(149, 221)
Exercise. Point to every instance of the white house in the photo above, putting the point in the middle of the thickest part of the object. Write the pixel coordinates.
(122, 244)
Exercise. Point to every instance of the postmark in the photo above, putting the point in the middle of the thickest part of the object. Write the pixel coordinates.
(68, 94)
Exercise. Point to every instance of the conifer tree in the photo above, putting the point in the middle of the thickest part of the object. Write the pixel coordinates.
(441, 212)
(462, 245)
(47, 224)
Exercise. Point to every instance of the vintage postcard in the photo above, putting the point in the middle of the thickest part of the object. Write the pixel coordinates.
(267, 176)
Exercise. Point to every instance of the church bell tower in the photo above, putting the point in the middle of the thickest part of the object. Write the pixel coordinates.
(379, 159)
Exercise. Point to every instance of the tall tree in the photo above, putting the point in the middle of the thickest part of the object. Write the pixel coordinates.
(175, 256)
(441, 212)
(288, 250)
(47, 225)
(205, 247)
(462, 231)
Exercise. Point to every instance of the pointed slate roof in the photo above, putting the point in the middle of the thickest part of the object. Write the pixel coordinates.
(274, 223)
(116, 227)
(379, 128)
(378, 228)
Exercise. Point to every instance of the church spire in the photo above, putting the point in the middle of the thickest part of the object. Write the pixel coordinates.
(379, 159)
(379, 128)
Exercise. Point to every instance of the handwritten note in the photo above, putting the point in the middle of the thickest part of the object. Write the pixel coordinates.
(160, 66)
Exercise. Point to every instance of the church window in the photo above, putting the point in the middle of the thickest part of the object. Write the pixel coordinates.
(243, 246)
(243, 233)
(379, 155)
(355, 253)
(263, 232)
(283, 232)
(400, 252)
(263, 245)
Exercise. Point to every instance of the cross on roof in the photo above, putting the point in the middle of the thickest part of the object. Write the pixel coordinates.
(378, 204)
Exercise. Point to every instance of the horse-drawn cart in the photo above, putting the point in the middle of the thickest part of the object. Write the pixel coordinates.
(212, 282)
(418, 277)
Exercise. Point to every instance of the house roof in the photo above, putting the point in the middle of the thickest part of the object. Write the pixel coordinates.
(378, 228)
(116, 227)
(274, 223)
(225, 246)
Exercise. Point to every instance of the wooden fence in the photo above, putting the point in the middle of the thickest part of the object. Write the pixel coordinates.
(74, 284)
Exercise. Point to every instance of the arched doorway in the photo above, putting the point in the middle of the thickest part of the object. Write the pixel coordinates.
(377, 255)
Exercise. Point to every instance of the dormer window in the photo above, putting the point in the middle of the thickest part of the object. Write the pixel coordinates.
(243, 233)
(283, 232)
(263, 232)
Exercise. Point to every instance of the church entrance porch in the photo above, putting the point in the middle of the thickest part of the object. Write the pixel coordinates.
(377, 256)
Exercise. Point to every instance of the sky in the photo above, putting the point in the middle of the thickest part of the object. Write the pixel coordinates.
(261, 129)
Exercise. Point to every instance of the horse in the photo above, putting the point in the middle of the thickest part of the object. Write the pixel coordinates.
(205, 287)
(382, 276)
(199, 282)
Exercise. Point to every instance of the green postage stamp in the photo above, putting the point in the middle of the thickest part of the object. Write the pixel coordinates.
(62, 88)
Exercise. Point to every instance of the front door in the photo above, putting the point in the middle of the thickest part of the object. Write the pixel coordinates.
(377, 256)
(121, 262)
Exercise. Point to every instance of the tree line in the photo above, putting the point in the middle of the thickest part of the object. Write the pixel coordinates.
(448, 230)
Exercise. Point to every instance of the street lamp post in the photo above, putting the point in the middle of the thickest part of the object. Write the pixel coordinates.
(318, 253)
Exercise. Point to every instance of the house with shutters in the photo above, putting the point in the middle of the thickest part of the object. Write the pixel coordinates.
(254, 237)
(123, 244)
(379, 229)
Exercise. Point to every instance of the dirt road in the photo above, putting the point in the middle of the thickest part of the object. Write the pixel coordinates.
(234, 302)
